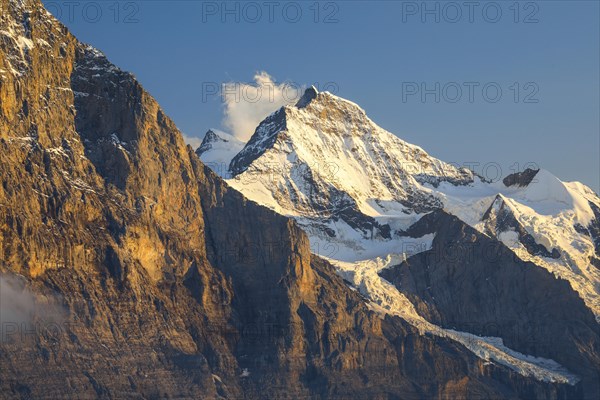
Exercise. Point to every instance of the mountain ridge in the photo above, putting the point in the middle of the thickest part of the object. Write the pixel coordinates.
(170, 283)
(372, 231)
(348, 200)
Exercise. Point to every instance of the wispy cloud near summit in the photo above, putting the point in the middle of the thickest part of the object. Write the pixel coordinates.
(247, 104)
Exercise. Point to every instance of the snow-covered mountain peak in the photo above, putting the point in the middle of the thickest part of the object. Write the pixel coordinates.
(356, 189)
(313, 107)
(210, 138)
(546, 194)
(327, 127)
(217, 149)
(328, 104)
(326, 161)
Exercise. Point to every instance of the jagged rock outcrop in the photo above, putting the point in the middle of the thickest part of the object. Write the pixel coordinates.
(156, 279)
(520, 179)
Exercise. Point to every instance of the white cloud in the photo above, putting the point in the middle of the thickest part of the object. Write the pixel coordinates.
(246, 105)
(20, 305)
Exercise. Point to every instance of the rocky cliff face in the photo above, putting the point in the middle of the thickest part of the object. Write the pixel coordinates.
(470, 282)
(140, 274)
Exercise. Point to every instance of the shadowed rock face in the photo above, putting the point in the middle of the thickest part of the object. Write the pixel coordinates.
(520, 178)
(471, 282)
(499, 218)
(163, 281)
(253, 149)
(593, 231)
(594, 228)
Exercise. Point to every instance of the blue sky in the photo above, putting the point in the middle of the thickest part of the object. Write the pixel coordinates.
(543, 56)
